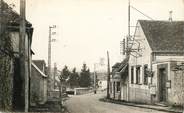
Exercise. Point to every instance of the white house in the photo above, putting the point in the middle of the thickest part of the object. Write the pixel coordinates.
(157, 49)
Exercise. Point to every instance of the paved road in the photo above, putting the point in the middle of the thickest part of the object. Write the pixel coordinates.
(90, 104)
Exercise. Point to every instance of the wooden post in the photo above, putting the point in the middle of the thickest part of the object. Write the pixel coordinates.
(49, 59)
(55, 74)
(94, 78)
(108, 75)
(23, 55)
(128, 37)
(1, 3)
(60, 94)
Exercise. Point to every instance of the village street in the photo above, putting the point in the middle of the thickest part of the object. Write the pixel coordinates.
(90, 103)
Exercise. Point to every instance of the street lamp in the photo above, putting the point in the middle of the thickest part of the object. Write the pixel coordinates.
(49, 54)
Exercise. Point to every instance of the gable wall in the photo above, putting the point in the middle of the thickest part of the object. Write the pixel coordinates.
(139, 92)
(146, 53)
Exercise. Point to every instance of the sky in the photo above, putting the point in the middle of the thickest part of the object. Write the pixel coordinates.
(87, 29)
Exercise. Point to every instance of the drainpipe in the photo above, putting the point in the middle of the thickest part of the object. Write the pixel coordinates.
(151, 63)
(151, 69)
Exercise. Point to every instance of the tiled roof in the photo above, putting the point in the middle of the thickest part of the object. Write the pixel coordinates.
(39, 64)
(116, 65)
(123, 64)
(43, 74)
(164, 36)
(119, 66)
(14, 17)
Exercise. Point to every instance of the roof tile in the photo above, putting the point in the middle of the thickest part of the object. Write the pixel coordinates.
(164, 36)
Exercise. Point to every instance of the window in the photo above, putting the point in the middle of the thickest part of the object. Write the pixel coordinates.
(132, 74)
(145, 74)
(138, 75)
(118, 86)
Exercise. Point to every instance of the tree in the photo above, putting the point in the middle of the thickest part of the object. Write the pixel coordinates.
(85, 79)
(64, 77)
(74, 79)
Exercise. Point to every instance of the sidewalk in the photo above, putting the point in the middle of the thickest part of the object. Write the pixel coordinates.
(146, 106)
(49, 106)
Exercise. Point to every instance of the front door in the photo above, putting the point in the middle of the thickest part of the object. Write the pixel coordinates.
(162, 84)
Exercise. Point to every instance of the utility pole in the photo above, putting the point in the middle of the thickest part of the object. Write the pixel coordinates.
(23, 56)
(94, 78)
(1, 17)
(129, 18)
(128, 37)
(55, 72)
(108, 75)
(49, 57)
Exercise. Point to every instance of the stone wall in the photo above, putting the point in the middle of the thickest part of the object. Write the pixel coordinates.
(81, 91)
(176, 97)
(139, 95)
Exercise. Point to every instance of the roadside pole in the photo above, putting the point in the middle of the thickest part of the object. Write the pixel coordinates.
(23, 56)
(49, 58)
(94, 78)
(108, 75)
(60, 94)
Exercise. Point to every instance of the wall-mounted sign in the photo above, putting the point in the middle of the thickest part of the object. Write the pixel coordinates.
(168, 84)
(153, 89)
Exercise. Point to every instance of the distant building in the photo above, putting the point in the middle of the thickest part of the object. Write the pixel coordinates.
(102, 80)
(160, 49)
(38, 85)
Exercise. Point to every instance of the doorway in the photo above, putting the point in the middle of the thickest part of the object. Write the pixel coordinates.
(162, 85)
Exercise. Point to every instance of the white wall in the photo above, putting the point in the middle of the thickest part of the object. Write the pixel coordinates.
(144, 55)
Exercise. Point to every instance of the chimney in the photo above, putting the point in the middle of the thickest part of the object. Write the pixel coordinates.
(170, 16)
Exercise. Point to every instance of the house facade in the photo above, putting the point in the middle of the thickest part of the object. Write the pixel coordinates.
(158, 50)
(38, 85)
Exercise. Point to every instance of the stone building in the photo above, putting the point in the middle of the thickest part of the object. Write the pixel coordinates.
(38, 85)
(153, 77)
(10, 22)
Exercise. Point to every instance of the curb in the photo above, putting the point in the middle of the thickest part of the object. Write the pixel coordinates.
(139, 106)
